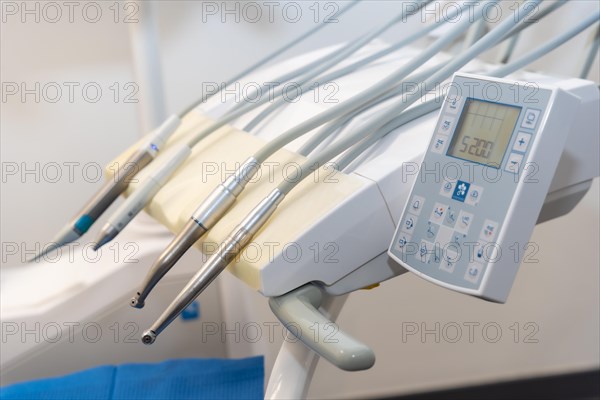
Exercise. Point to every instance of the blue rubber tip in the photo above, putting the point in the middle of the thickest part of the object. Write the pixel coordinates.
(83, 223)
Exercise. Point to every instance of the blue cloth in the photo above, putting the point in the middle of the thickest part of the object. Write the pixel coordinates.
(181, 379)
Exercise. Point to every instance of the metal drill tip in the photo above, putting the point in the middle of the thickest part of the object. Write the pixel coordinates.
(47, 250)
(191, 232)
(107, 234)
(149, 337)
(67, 235)
(136, 303)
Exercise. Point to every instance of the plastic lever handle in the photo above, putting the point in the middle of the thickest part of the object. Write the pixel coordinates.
(299, 309)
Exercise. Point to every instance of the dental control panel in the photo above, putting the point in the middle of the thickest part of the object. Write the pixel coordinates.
(482, 183)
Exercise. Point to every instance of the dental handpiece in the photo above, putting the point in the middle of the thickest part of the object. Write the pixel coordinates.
(229, 250)
(203, 219)
(146, 190)
(134, 208)
(113, 188)
(192, 232)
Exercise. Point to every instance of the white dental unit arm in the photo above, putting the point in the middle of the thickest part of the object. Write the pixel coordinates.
(502, 156)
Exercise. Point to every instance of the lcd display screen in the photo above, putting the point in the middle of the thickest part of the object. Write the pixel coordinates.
(483, 132)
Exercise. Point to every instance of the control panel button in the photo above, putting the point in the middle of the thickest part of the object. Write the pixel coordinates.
(403, 240)
(451, 217)
(489, 230)
(431, 231)
(455, 247)
(484, 253)
(460, 191)
(514, 163)
(416, 205)
(522, 142)
(465, 221)
(474, 195)
(473, 272)
(449, 261)
(447, 188)
(439, 144)
(408, 225)
(446, 125)
(452, 104)
(444, 236)
(479, 253)
(531, 118)
(426, 250)
(438, 213)
(458, 239)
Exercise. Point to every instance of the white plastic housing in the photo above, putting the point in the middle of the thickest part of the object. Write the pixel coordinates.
(510, 202)
(157, 138)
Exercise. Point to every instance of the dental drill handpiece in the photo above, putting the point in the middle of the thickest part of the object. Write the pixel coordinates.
(149, 186)
(202, 220)
(113, 188)
(229, 250)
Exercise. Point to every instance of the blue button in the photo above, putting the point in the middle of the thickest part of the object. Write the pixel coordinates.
(460, 191)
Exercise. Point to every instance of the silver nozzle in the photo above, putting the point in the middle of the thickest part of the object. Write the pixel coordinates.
(231, 247)
(100, 202)
(209, 271)
(67, 235)
(136, 302)
(148, 337)
(205, 217)
(107, 233)
(190, 234)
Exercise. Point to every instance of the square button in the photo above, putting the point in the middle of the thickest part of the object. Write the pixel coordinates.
(460, 191)
(484, 253)
(451, 217)
(522, 142)
(531, 118)
(456, 248)
(437, 255)
(416, 205)
(447, 188)
(439, 144)
(473, 272)
(426, 250)
(489, 230)
(438, 213)
(458, 239)
(474, 195)
(452, 104)
(444, 236)
(446, 125)
(432, 230)
(514, 163)
(449, 261)
(479, 253)
(403, 240)
(465, 220)
(408, 225)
